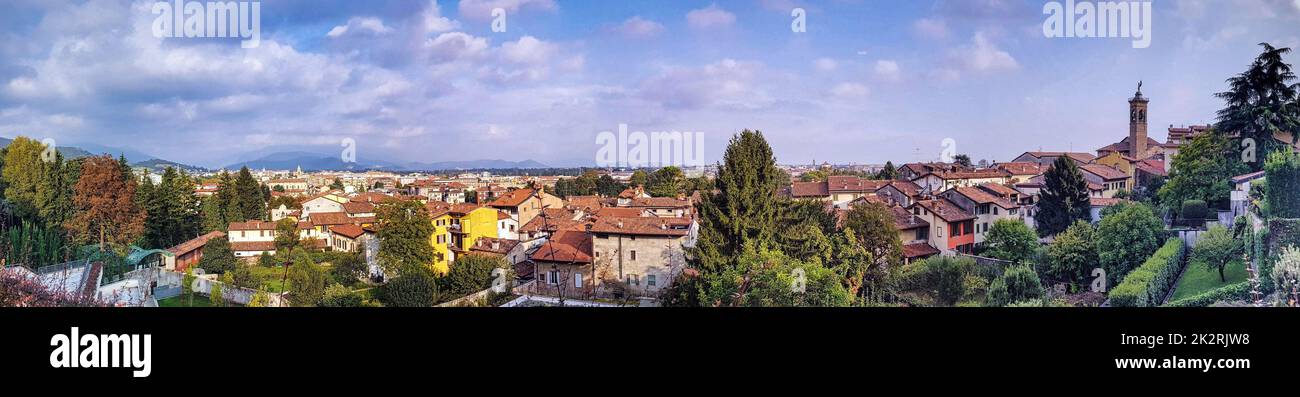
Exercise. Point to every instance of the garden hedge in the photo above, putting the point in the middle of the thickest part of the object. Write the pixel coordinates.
(1236, 291)
(1147, 285)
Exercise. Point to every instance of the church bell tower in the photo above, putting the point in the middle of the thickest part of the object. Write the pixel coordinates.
(1137, 124)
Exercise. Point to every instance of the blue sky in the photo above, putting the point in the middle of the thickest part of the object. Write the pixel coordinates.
(430, 81)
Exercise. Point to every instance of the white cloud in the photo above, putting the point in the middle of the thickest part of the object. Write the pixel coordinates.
(360, 25)
(481, 10)
(638, 28)
(456, 45)
(982, 56)
(825, 64)
(850, 91)
(726, 84)
(930, 28)
(434, 21)
(887, 69)
(710, 17)
(528, 50)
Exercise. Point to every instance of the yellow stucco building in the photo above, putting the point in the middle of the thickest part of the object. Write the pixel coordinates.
(456, 228)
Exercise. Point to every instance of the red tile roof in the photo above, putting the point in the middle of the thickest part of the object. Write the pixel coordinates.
(252, 246)
(330, 218)
(493, 245)
(919, 250)
(999, 190)
(592, 202)
(252, 225)
(981, 196)
(349, 231)
(565, 247)
(809, 189)
(911, 189)
(358, 207)
(667, 227)
(1022, 168)
(945, 210)
(1104, 171)
(196, 243)
(462, 209)
(904, 220)
(619, 212)
(513, 199)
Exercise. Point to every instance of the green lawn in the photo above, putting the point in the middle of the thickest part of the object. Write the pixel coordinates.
(1197, 279)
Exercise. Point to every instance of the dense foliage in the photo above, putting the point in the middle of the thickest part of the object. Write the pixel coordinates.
(1064, 198)
(1149, 283)
(1127, 237)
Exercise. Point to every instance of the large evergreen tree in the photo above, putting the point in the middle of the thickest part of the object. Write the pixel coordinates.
(252, 201)
(1064, 198)
(172, 209)
(1261, 102)
(745, 206)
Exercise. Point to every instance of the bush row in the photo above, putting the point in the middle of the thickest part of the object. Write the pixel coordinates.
(1228, 292)
(1147, 285)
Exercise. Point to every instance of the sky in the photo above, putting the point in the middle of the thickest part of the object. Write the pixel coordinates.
(868, 81)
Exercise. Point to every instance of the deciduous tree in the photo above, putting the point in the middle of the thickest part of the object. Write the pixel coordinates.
(106, 208)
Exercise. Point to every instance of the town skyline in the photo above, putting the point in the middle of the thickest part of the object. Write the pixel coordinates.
(431, 81)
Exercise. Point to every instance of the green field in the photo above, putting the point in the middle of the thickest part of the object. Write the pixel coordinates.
(1197, 279)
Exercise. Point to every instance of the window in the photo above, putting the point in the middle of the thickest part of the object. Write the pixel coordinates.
(577, 280)
(995, 210)
(940, 234)
(633, 254)
(512, 228)
(920, 234)
(650, 280)
(554, 277)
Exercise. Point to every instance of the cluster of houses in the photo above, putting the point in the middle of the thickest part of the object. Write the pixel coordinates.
(633, 245)
(581, 247)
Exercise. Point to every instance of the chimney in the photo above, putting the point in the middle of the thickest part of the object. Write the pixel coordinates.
(496, 245)
(620, 224)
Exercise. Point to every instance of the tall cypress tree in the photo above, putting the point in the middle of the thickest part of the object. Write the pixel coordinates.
(251, 202)
(745, 206)
(1064, 199)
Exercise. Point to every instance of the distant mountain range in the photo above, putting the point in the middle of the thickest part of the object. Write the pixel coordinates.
(310, 161)
(160, 166)
(310, 158)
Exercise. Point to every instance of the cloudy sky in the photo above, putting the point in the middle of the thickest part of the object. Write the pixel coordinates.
(426, 81)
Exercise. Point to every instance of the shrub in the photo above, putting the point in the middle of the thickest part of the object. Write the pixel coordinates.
(1011, 240)
(943, 278)
(1194, 211)
(1148, 284)
(1282, 170)
(1020, 283)
(414, 287)
(1286, 272)
(1228, 292)
(216, 296)
(469, 274)
(1073, 254)
(339, 296)
(1126, 237)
